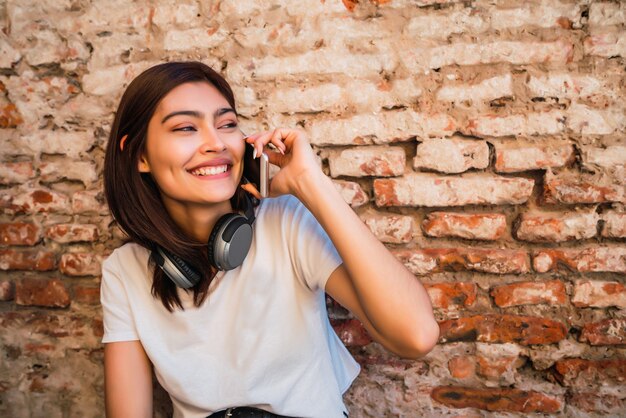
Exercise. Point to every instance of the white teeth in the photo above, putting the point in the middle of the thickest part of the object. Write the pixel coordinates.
(209, 171)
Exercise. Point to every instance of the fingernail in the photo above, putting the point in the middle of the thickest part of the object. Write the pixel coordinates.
(254, 154)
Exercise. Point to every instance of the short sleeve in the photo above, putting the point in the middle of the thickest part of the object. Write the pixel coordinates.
(117, 317)
(313, 253)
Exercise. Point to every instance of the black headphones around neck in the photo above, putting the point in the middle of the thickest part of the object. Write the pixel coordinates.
(228, 244)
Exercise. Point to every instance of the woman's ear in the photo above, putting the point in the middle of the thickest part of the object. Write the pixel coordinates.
(142, 165)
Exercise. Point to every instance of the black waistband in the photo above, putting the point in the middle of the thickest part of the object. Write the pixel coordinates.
(244, 412)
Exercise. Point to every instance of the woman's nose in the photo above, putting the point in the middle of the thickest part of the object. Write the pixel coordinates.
(211, 141)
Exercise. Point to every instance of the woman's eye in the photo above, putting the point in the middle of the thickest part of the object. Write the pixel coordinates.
(185, 129)
(229, 125)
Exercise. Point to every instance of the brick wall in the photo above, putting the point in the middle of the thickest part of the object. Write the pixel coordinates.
(484, 143)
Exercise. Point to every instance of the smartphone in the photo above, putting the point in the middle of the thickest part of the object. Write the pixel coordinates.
(264, 169)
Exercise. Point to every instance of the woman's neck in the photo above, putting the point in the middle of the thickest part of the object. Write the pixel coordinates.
(197, 221)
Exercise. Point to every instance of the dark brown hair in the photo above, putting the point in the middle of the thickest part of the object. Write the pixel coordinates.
(134, 198)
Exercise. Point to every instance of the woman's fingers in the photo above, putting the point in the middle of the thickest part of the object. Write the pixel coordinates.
(260, 140)
(249, 187)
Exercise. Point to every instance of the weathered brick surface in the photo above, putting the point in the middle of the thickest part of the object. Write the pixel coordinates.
(351, 192)
(495, 261)
(546, 123)
(394, 229)
(514, 158)
(530, 293)
(573, 372)
(451, 155)
(568, 189)
(481, 226)
(16, 173)
(429, 190)
(498, 127)
(614, 225)
(583, 260)
(42, 292)
(525, 330)
(27, 260)
(606, 332)
(80, 264)
(504, 400)
(19, 233)
(599, 293)
(452, 295)
(367, 161)
(557, 227)
(66, 233)
(7, 291)
(351, 332)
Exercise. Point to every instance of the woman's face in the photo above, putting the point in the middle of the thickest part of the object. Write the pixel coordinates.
(194, 148)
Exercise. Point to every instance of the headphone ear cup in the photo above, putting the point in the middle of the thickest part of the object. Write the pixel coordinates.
(176, 269)
(229, 241)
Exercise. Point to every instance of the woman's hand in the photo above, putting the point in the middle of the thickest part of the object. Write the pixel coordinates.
(293, 155)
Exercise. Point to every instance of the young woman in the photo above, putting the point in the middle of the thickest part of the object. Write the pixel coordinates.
(220, 295)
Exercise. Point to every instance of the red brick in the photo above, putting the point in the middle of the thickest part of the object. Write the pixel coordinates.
(367, 161)
(451, 155)
(16, 173)
(27, 260)
(576, 372)
(610, 331)
(482, 226)
(351, 192)
(462, 367)
(527, 124)
(67, 233)
(547, 227)
(351, 331)
(422, 261)
(516, 158)
(569, 190)
(600, 259)
(7, 291)
(526, 330)
(605, 404)
(599, 294)
(42, 292)
(87, 295)
(614, 225)
(390, 228)
(530, 293)
(504, 400)
(40, 200)
(425, 189)
(81, 264)
(455, 295)
(19, 233)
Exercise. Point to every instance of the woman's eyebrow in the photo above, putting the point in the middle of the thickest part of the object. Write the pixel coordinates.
(196, 114)
(193, 113)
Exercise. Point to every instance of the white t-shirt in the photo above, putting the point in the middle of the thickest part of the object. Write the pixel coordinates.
(262, 337)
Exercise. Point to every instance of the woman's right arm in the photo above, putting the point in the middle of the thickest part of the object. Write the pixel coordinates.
(127, 380)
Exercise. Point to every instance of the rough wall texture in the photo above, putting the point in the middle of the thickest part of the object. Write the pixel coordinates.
(483, 141)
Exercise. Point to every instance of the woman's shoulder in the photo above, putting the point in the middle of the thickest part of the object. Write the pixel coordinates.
(281, 205)
(125, 254)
